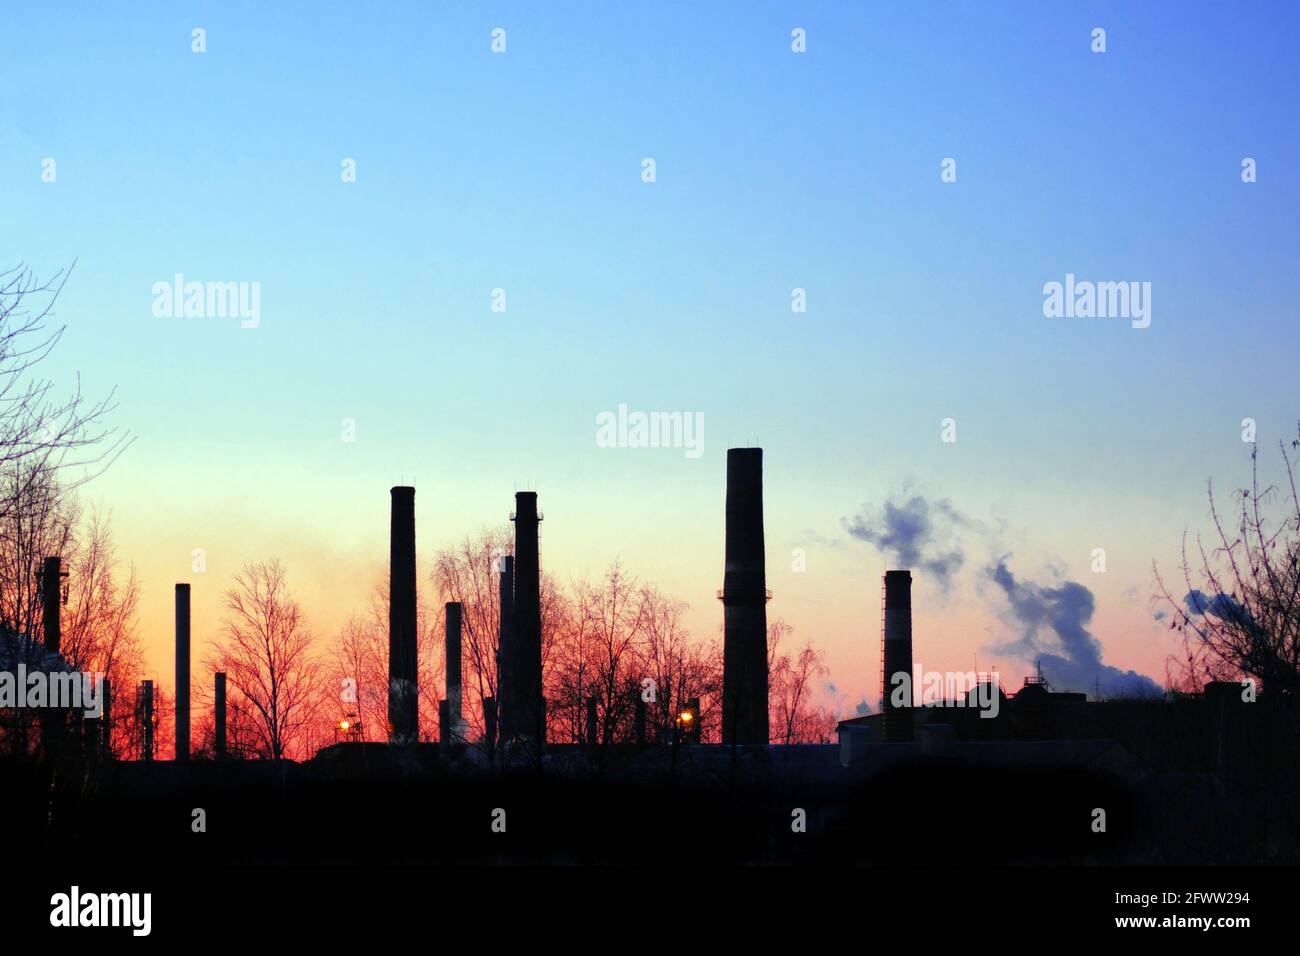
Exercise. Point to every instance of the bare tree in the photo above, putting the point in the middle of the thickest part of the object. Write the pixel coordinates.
(39, 521)
(611, 613)
(1240, 613)
(359, 668)
(794, 716)
(557, 616)
(99, 624)
(48, 446)
(607, 642)
(682, 670)
(98, 619)
(569, 676)
(358, 662)
(44, 433)
(266, 652)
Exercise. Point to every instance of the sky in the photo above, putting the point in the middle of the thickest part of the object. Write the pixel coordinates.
(774, 170)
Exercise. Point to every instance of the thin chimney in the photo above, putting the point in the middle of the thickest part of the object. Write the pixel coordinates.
(147, 690)
(52, 601)
(182, 672)
(453, 615)
(505, 650)
(403, 696)
(219, 715)
(744, 603)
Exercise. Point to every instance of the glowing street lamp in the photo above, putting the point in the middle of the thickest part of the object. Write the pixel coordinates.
(688, 722)
(348, 728)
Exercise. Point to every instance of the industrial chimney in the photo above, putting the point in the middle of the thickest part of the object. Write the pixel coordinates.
(453, 615)
(744, 603)
(505, 658)
(526, 718)
(593, 723)
(219, 714)
(896, 655)
(403, 697)
(182, 672)
(146, 689)
(51, 602)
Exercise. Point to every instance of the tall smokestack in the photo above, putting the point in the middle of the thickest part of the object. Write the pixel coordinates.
(182, 672)
(744, 603)
(453, 613)
(219, 717)
(505, 658)
(51, 602)
(403, 698)
(147, 689)
(526, 717)
(897, 656)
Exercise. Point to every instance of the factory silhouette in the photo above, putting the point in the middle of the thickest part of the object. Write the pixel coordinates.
(1170, 776)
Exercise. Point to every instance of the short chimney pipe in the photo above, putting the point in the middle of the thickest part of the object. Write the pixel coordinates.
(52, 602)
(592, 723)
(219, 714)
(147, 691)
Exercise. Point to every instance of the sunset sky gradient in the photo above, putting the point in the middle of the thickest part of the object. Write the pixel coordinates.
(522, 171)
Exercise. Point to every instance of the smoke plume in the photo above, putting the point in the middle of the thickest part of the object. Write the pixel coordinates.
(1054, 624)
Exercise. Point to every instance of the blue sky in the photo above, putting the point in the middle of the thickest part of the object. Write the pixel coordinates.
(775, 170)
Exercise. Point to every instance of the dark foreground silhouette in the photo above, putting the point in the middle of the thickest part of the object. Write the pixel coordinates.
(981, 802)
